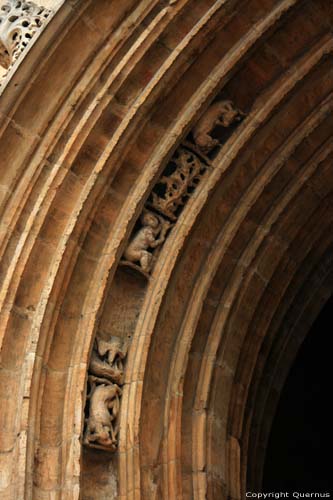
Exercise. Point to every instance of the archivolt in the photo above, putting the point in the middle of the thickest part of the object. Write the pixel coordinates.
(89, 122)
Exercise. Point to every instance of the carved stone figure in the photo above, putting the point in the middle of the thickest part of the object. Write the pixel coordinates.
(107, 359)
(221, 113)
(103, 411)
(19, 21)
(178, 185)
(116, 348)
(106, 375)
(151, 235)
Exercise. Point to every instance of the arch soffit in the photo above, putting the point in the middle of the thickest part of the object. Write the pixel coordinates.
(91, 146)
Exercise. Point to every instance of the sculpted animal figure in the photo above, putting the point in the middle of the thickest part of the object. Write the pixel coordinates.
(221, 113)
(101, 368)
(104, 408)
(115, 348)
(151, 235)
(107, 359)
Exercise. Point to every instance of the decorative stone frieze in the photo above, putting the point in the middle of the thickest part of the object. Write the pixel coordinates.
(19, 22)
(179, 180)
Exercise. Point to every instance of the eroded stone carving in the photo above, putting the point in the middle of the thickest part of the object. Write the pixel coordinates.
(176, 187)
(106, 376)
(103, 412)
(19, 21)
(221, 113)
(107, 359)
(150, 236)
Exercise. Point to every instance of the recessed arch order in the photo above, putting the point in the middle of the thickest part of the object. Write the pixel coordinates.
(102, 103)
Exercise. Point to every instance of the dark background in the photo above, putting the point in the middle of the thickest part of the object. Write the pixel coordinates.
(299, 453)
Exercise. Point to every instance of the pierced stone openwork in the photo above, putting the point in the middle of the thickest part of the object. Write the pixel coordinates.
(19, 21)
(177, 183)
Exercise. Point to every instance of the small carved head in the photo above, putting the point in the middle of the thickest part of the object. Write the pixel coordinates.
(104, 437)
(150, 220)
(230, 114)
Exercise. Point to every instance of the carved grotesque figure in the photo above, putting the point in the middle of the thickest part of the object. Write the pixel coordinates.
(221, 113)
(107, 359)
(103, 410)
(19, 21)
(151, 235)
(106, 375)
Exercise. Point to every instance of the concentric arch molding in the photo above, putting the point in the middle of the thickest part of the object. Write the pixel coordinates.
(103, 109)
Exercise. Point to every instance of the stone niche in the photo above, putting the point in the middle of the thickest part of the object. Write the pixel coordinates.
(106, 372)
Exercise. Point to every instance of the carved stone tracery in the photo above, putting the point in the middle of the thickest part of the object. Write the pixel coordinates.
(19, 21)
(173, 189)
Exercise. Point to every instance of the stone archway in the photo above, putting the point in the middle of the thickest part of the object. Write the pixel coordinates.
(109, 116)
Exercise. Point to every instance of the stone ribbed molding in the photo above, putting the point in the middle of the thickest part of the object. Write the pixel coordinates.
(19, 21)
(178, 181)
(102, 113)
